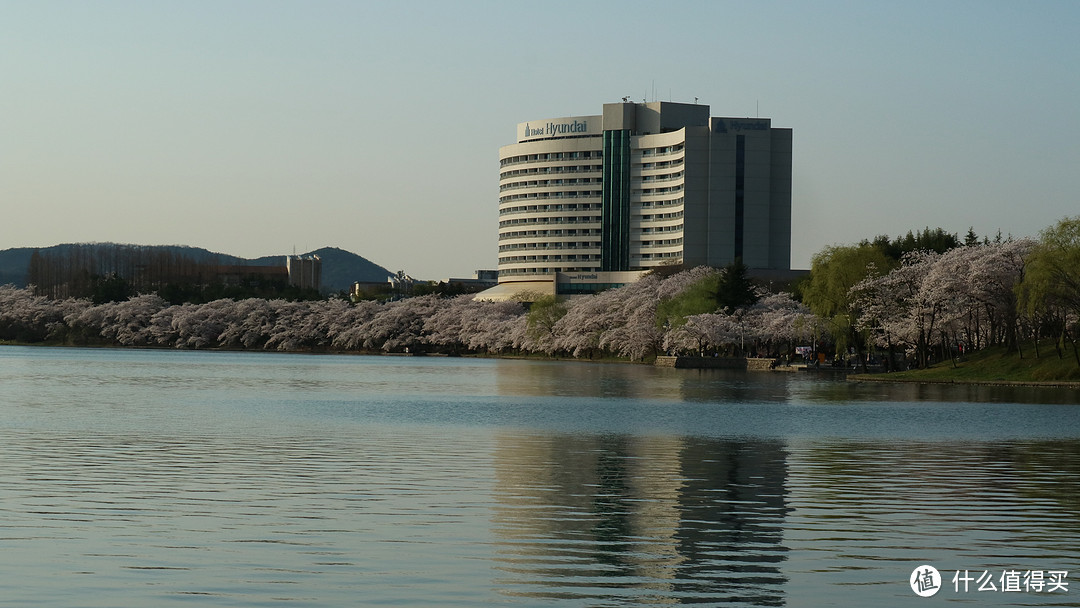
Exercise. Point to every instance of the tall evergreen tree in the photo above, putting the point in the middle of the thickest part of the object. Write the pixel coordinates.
(735, 289)
(971, 239)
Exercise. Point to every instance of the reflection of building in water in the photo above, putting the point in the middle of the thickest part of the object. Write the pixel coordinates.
(665, 519)
(583, 379)
(565, 517)
(734, 505)
(656, 479)
(587, 379)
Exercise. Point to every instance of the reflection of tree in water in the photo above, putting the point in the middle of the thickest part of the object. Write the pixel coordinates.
(1049, 471)
(609, 502)
(876, 392)
(641, 519)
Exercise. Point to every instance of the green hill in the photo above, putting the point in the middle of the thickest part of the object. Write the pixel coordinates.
(13, 266)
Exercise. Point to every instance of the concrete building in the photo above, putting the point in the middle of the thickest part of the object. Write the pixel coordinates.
(304, 272)
(639, 186)
(481, 279)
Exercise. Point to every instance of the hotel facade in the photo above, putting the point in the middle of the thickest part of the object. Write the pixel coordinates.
(591, 202)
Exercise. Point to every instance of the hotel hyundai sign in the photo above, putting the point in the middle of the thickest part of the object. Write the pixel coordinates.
(559, 127)
(740, 125)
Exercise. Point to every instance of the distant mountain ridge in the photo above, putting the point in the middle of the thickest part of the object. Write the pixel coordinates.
(340, 268)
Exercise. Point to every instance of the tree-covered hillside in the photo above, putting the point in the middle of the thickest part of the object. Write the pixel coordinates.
(340, 268)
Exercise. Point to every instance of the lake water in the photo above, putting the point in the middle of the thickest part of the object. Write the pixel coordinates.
(159, 478)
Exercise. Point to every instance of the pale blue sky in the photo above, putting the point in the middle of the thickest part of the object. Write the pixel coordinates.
(253, 127)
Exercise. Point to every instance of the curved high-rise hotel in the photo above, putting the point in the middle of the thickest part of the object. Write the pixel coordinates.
(589, 202)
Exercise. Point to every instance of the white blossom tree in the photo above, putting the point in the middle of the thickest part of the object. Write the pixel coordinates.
(399, 326)
(250, 324)
(348, 331)
(127, 323)
(199, 325)
(634, 332)
(778, 319)
(450, 326)
(31, 318)
(898, 308)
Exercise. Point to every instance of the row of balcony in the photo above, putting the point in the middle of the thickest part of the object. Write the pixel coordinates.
(639, 183)
(588, 246)
(551, 246)
(636, 220)
(585, 206)
(595, 220)
(594, 155)
(548, 195)
(552, 170)
(585, 194)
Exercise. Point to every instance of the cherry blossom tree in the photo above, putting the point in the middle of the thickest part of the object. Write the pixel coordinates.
(704, 332)
(126, 323)
(492, 327)
(199, 325)
(293, 328)
(963, 296)
(778, 319)
(399, 326)
(249, 325)
(449, 328)
(618, 321)
(634, 332)
(966, 295)
(977, 285)
(31, 318)
(348, 331)
(897, 308)
(504, 331)
(578, 332)
(160, 330)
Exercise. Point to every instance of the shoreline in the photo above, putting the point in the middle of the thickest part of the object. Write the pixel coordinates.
(853, 378)
(876, 378)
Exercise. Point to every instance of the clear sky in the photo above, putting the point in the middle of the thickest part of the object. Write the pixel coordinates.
(255, 127)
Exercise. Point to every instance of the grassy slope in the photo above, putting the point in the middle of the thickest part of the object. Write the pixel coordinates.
(995, 365)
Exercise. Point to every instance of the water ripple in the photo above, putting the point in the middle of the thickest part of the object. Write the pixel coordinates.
(303, 492)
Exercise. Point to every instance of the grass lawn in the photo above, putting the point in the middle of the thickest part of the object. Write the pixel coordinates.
(996, 365)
